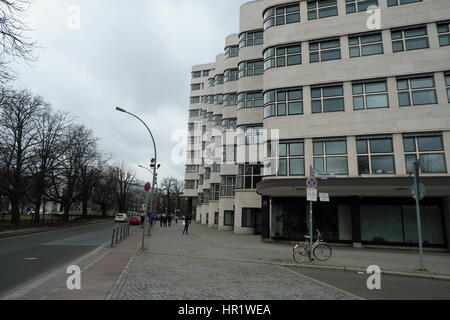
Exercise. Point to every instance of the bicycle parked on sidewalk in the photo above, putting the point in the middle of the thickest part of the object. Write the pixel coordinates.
(320, 250)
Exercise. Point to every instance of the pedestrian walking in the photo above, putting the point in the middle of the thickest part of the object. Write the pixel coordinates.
(169, 220)
(186, 225)
(176, 219)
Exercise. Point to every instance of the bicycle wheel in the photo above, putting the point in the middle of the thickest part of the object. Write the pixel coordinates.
(300, 253)
(322, 252)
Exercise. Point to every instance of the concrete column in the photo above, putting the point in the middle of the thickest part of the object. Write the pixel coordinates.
(303, 11)
(352, 156)
(392, 91)
(399, 154)
(441, 89)
(433, 37)
(309, 155)
(345, 49)
(348, 96)
(307, 108)
(387, 41)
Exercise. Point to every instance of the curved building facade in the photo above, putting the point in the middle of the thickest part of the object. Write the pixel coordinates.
(356, 89)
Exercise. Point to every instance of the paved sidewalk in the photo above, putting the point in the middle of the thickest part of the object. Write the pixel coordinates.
(98, 279)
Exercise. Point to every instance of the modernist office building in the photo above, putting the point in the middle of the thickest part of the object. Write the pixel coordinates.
(311, 84)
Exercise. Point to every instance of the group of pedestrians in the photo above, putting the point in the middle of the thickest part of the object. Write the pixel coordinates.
(165, 221)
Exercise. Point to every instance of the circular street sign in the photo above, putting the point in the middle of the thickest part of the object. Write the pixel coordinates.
(147, 187)
(312, 183)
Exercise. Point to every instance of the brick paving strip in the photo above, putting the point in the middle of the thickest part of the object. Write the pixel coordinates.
(99, 278)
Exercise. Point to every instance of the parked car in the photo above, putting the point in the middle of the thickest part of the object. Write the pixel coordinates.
(136, 220)
(121, 218)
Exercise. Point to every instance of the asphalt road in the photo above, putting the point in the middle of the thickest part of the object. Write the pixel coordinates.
(25, 258)
(392, 287)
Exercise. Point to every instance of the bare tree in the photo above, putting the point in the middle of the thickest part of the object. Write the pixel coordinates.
(167, 185)
(50, 130)
(17, 141)
(67, 175)
(125, 179)
(13, 43)
(105, 190)
(178, 189)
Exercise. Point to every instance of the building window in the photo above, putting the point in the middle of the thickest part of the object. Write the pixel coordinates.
(231, 52)
(410, 39)
(205, 99)
(447, 84)
(194, 113)
(416, 91)
(322, 9)
(248, 176)
(324, 50)
(195, 100)
(229, 124)
(227, 186)
(229, 154)
(392, 3)
(248, 39)
(327, 99)
(250, 100)
(253, 134)
(200, 181)
(331, 155)
(211, 82)
(375, 156)
(207, 174)
(282, 56)
(189, 184)
(444, 33)
(283, 102)
(211, 99)
(230, 75)
(218, 79)
(281, 15)
(230, 99)
(196, 74)
(248, 217)
(366, 45)
(429, 149)
(206, 73)
(191, 169)
(359, 5)
(196, 87)
(215, 192)
(291, 158)
(370, 95)
(228, 218)
(217, 120)
(218, 99)
(206, 198)
(251, 68)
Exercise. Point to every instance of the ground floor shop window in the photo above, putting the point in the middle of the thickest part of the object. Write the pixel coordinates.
(216, 218)
(398, 224)
(228, 218)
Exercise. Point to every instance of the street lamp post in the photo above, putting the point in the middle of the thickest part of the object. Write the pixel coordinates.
(155, 182)
(154, 168)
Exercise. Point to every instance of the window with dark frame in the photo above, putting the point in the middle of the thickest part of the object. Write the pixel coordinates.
(318, 9)
(408, 39)
(283, 56)
(447, 84)
(281, 15)
(353, 6)
(251, 68)
(327, 98)
(231, 52)
(228, 186)
(324, 50)
(375, 155)
(443, 29)
(253, 99)
(228, 218)
(392, 3)
(249, 175)
(429, 149)
(331, 155)
(230, 99)
(251, 38)
(365, 45)
(283, 102)
(370, 95)
(416, 91)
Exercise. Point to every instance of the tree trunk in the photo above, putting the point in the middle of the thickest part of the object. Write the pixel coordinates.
(37, 210)
(104, 211)
(85, 208)
(66, 212)
(15, 212)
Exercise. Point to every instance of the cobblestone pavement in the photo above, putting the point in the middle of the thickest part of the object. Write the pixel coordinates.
(212, 265)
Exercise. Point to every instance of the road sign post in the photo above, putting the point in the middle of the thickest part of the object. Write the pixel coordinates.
(417, 195)
(312, 185)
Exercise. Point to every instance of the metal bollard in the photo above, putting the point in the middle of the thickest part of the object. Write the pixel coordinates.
(112, 240)
(117, 235)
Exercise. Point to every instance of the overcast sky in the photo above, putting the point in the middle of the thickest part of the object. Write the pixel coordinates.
(134, 54)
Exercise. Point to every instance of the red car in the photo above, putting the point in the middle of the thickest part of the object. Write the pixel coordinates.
(135, 220)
